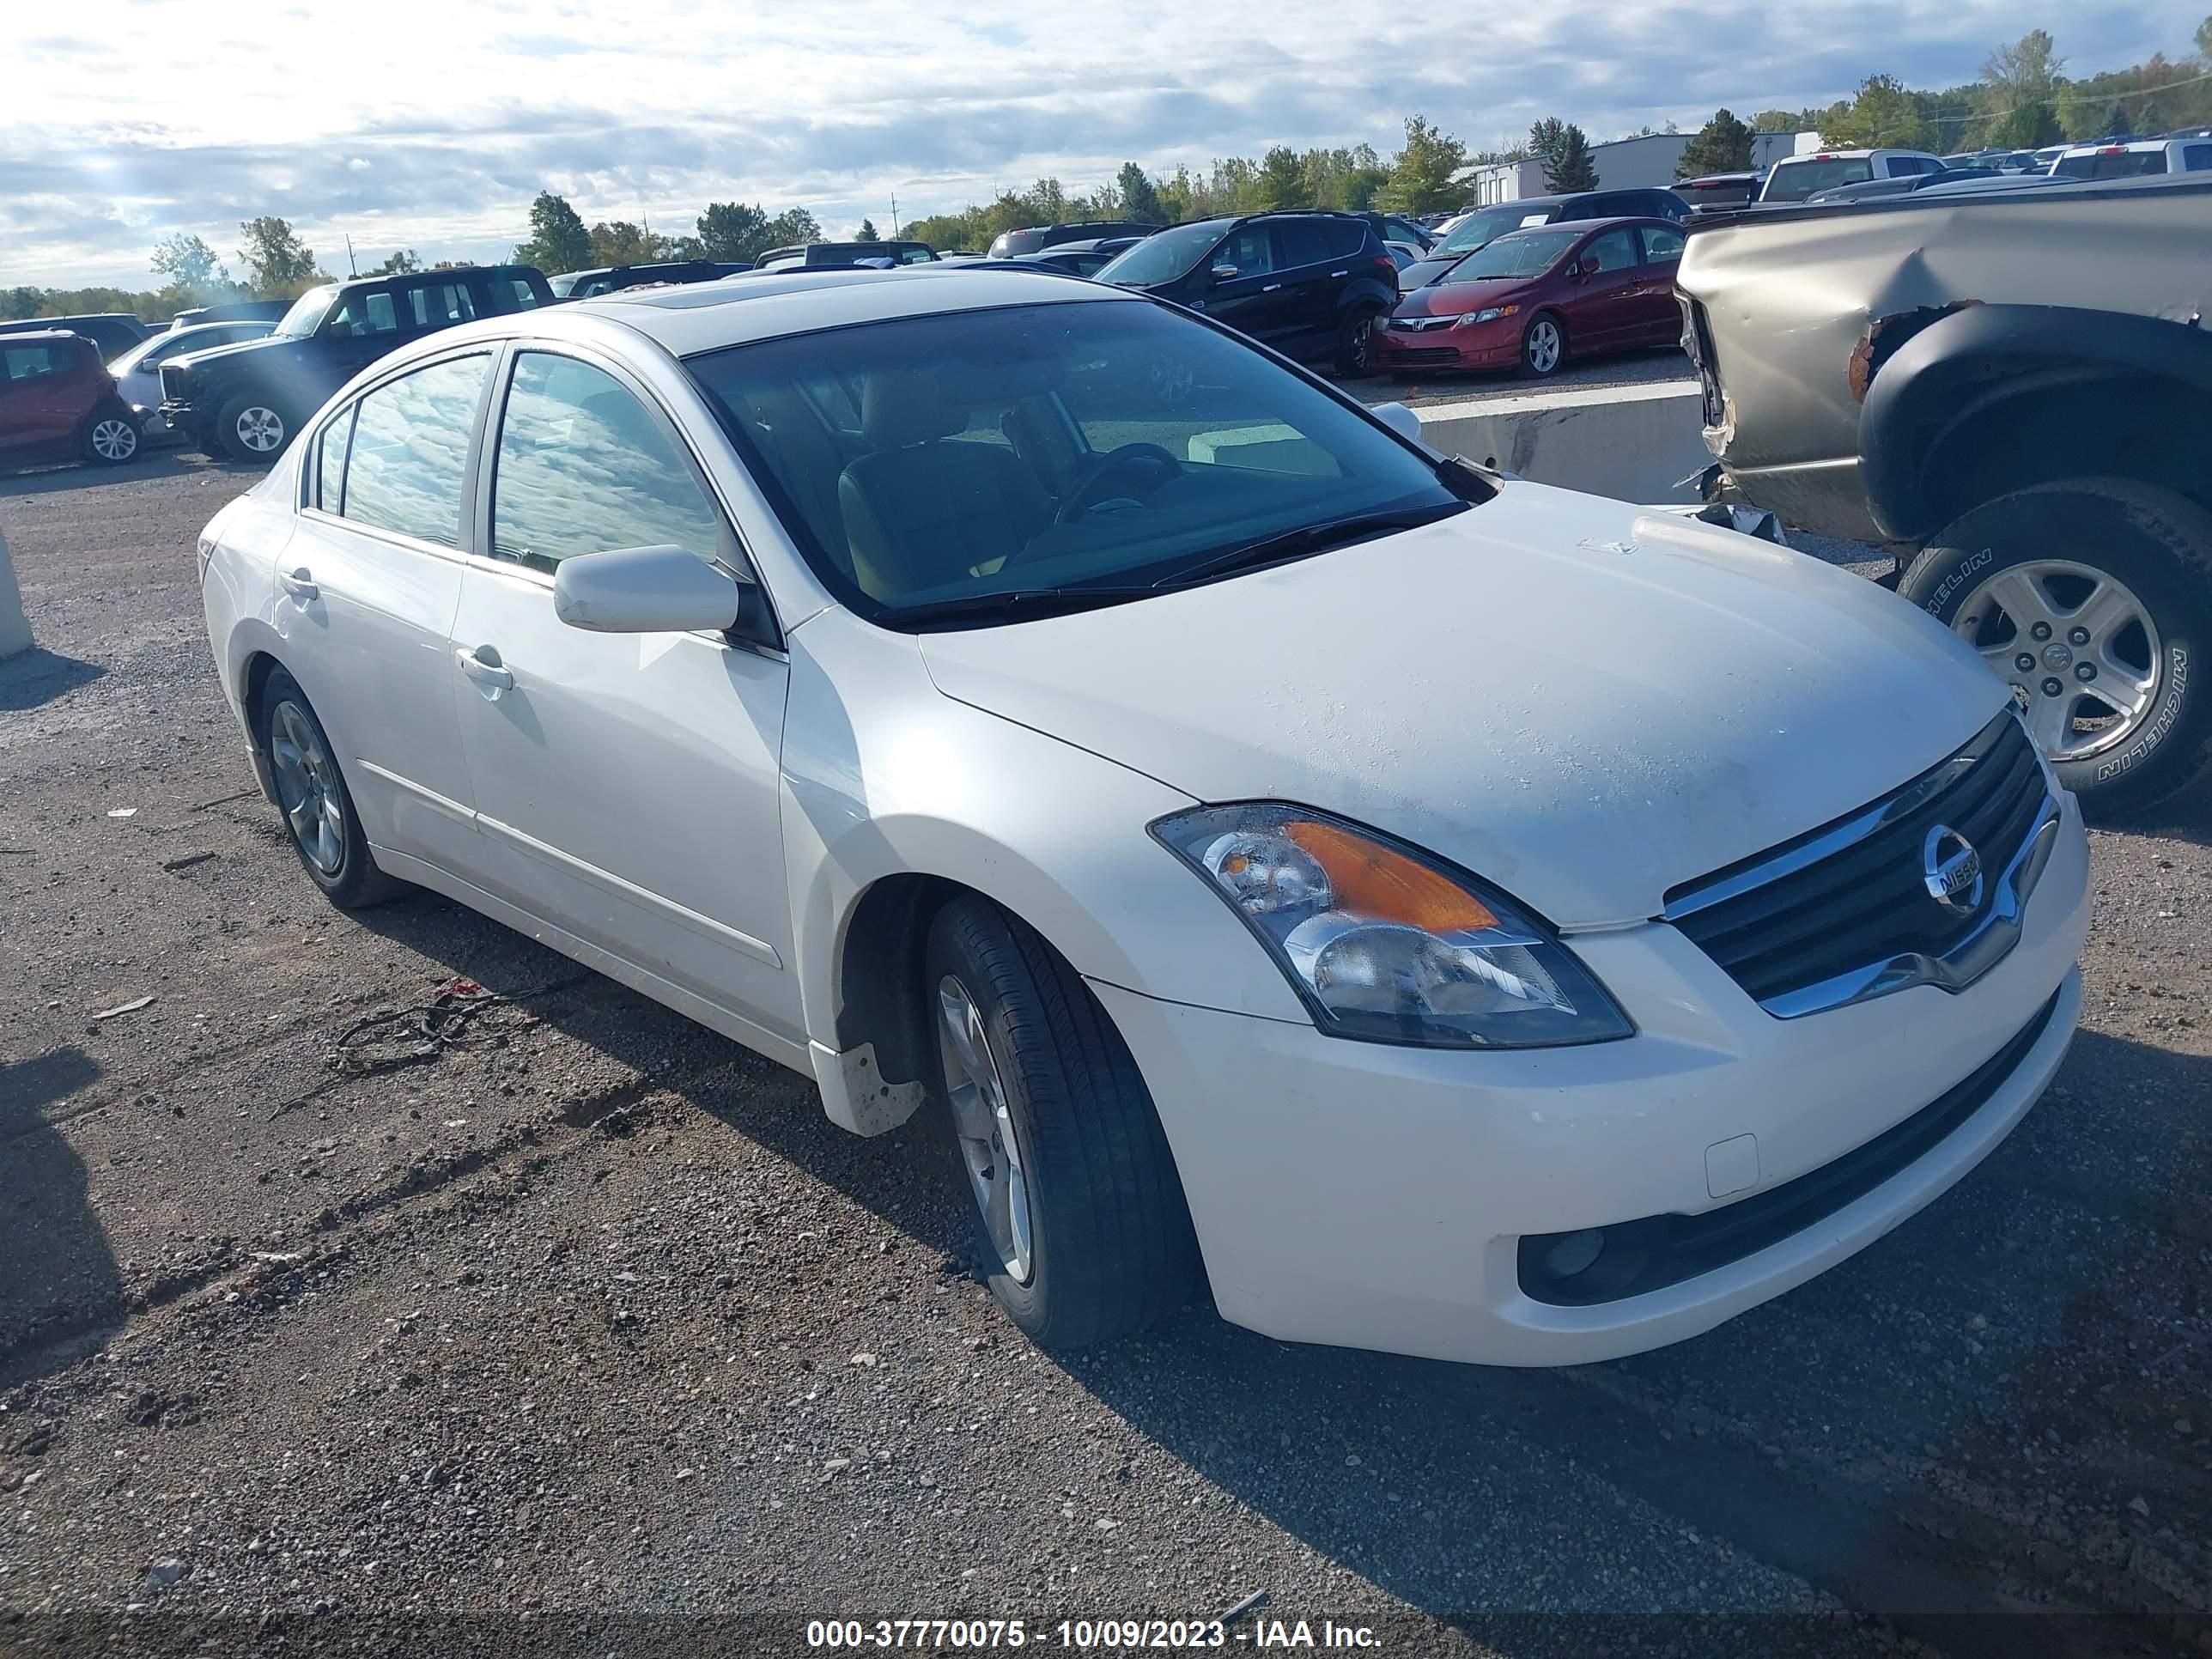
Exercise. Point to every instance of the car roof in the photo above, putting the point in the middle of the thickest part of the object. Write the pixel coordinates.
(734, 311)
(17, 336)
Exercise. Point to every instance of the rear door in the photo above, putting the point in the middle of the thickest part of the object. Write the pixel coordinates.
(372, 577)
(36, 414)
(1657, 317)
(1302, 254)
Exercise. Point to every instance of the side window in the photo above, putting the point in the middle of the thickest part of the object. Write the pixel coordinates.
(410, 445)
(2197, 158)
(1345, 237)
(1660, 247)
(33, 363)
(1248, 250)
(363, 313)
(1613, 251)
(583, 466)
(440, 306)
(330, 463)
(1300, 242)
(915, 256)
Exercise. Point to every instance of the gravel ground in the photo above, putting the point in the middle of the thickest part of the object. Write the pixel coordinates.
(589, 1318)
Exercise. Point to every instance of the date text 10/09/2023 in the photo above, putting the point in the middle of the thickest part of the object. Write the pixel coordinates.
(1115, 1635)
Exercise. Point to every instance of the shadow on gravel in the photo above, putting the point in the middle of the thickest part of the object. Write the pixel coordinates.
(152, 464)
(33, 678)
(58, 1279)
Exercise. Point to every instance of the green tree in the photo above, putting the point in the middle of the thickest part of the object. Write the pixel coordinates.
(1564, 148)
(1138, 199)
(794, 225)
(1722, 145)
(1280, 181)
(866, 233)
(1420, 176)
(276, 262)
(730, 230)
(2022, 80)
(1883, 113)
(189, 263)
(403, 263)
(619, 242)
(1775, 120)
(558, 241)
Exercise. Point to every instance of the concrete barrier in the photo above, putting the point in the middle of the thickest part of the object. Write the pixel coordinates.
(15, 626)
(1634, 443)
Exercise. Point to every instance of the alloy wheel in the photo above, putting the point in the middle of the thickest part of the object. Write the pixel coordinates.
(115, 438)
(307, 788)
(1544, 345)
(2078, 647)
(260, 429)
(983, 1123)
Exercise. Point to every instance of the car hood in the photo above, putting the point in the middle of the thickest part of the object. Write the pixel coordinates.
(1580, 703)
(267, 342)
(1451, 298)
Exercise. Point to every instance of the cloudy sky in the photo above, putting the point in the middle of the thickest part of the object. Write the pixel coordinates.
(430, 124)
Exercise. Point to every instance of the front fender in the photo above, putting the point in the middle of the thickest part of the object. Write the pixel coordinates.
(1952, 369)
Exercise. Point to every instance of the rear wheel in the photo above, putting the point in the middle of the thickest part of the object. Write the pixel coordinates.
(1080, 1215)
(317, 807)
(111, 437)
(1353, 337)
(2087, 596)
(252, 428)
(1543, 346)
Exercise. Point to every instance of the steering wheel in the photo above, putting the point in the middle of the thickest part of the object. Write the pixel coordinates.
(1073, 502)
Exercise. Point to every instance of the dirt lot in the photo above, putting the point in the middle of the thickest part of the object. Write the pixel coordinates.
(590, 1315)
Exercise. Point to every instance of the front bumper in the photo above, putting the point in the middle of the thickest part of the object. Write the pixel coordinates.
(1469, 346)
(1376, 1197)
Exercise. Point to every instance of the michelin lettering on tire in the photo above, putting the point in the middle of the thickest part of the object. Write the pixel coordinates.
(2176, 667)
(1950, 586)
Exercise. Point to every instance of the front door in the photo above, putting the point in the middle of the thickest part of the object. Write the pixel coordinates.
(1658, 319)
(1602, 314)
(626, 785)
(370, 580)
(1254, 301)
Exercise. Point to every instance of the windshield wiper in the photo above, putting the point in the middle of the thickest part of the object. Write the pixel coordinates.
(1308, 538)
(1009, 602)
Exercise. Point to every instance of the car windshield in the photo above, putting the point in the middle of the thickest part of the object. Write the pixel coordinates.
(306, 310)
(1518, 253)
(1793, 181)
(1481, 230)
(969, 461)
(1164, 255)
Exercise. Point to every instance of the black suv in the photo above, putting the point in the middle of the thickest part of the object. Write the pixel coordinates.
(111, 333)
(612, 279)
(247, 400)
(1308, 284)
(1013, 244)
(1485, 225)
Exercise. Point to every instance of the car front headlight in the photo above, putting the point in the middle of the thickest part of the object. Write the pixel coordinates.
(1488, 315)
(1386, 946)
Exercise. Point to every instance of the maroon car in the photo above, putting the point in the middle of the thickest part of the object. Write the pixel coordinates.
(1534, 298)
(58, 399)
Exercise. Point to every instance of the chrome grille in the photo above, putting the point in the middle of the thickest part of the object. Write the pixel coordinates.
(1847, 911)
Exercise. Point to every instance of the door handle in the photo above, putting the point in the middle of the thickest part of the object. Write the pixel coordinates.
(1271, 287)
(298, 584)
(1339, 273)
(492, 673)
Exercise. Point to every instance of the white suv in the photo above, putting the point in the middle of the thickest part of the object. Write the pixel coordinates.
(1459, 916)
(1794, 178)
(2135, 158)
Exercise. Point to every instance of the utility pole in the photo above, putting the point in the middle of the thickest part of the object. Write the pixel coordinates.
(351, 266)
(894, 222)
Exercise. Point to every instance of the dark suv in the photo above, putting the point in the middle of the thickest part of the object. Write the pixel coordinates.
(113, 333)
(247, 400)
(612, 279)
(1308, 284)
(57, 400)
(1479, 228)
(1036, 239)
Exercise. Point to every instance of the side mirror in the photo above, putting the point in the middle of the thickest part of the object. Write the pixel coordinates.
(647, 590)
(1586, 267)
(1222, 273)
(1400, 419)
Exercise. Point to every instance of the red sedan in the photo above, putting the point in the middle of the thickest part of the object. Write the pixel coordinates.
(1534, 298)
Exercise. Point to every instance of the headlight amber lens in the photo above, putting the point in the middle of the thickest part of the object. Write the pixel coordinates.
(1385, 944)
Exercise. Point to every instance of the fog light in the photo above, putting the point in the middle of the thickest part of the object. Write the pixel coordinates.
(1573, 1252)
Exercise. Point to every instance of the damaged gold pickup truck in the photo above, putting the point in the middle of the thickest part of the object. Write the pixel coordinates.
(2013, 392)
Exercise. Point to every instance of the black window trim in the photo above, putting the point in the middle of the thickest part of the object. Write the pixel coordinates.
(732, 554)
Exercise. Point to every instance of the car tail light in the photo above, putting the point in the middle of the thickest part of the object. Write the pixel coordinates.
(1385, 263)
(2114, 150)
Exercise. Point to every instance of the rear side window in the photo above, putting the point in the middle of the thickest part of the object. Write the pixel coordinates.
(440, 306)
(583, 466)
(34, 362)
(410, 445)
(330, 463)
(1614, 251)
(1660, 247)
(1343, 237)
(2197, 158)
(1303, 242)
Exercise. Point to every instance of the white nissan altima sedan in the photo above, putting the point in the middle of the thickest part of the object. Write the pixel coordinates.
(1450, 915)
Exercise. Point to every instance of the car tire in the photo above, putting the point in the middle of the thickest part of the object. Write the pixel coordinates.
(2135, 562)
(1543, 346)
(1107, 1248)
(252, 428)
(318, 808)
(110, 437)
(1353, 337)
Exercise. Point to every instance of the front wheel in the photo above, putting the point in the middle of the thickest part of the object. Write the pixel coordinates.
(254, 429)
(1543, 347)
(2087, 596)
(1353, 339)
(1079, 1212)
